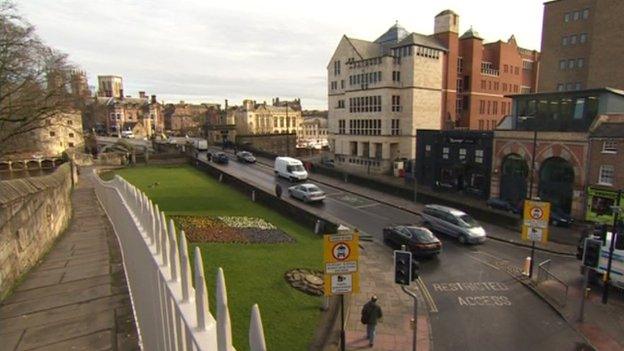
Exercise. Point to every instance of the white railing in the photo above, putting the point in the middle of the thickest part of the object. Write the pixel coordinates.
(170, 313)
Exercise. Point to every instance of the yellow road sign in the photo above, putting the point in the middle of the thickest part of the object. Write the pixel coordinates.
(535, 223)
(340, 255)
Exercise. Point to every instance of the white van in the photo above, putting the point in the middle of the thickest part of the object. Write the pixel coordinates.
(290, 168)
(201, 145)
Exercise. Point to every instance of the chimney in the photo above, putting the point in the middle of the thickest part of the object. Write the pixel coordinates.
(226, 104)
(121, 95)
(153, 99)
(142, 94)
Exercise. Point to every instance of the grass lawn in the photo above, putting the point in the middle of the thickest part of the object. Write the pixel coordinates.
(253, 272)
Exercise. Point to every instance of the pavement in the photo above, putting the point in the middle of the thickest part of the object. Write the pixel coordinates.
(77, 297)
(394, 332)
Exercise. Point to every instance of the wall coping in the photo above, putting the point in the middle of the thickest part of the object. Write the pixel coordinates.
(13, 189)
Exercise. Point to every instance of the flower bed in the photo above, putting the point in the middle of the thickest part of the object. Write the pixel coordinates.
(230, 229)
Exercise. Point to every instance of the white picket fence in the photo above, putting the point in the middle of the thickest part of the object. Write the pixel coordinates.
(170, 313)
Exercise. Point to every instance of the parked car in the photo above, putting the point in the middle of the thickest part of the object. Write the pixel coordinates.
(290, 168)
(221, 158)
(559, 218)
(307, 192)
(454, 223)
(328, 163)
(419, 240)
(504, 205)
(245, 156)
(127, 134)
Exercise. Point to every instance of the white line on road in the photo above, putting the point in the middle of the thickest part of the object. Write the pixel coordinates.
(368, 205)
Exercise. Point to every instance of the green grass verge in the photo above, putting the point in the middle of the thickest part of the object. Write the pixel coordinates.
(253, 272)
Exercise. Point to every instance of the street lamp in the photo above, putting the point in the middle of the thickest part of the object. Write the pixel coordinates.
(532, 171)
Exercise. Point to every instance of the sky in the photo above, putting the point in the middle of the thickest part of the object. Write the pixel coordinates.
(208, 51)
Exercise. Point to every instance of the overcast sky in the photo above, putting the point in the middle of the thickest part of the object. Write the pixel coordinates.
(208, 51)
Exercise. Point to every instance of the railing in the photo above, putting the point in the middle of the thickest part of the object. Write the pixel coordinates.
(170, 313)
(552, 286)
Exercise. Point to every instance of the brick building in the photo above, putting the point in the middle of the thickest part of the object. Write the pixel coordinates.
(581, 44)
(559, 124)
(110, 115)
(605, 175)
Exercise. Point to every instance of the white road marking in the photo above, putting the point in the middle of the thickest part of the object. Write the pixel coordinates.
(368, 205)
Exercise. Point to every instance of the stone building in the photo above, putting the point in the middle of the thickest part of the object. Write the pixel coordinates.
(313, 133)
(381, 92)
(108, 115)
(581, 45)
(59, 133)
(253, 118)
(185, 118)
(110, 86)
(559, 125)
(605, 175)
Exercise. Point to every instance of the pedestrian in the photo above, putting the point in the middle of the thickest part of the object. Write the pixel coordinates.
(371, 314)
(278, 190)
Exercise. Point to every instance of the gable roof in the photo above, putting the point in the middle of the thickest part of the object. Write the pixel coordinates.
(422, 40)
(365, 49)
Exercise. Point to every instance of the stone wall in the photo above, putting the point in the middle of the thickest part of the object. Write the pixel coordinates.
(278, 144)
(33, 212)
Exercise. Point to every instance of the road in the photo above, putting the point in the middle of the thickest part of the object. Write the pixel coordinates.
(476, 303)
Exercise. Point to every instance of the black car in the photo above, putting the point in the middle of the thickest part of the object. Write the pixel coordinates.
(419, 240)
(560, 219)
(501, 204)
(221, 158)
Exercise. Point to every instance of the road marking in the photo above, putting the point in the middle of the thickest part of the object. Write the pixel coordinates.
(485, 263)
(369, 205)
(433, 308)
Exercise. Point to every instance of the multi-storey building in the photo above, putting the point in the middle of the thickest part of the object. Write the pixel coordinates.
(254, 118)
(110, 86)
(184, 118)
(313, 133)
(581, 44)
(381, 92)
(142, 115)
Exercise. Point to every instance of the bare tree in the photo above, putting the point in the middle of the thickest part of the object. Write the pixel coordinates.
(34, 79)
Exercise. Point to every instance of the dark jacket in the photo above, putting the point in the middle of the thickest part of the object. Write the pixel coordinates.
(371, 312)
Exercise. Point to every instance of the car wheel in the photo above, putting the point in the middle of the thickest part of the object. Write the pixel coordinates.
(462, 239)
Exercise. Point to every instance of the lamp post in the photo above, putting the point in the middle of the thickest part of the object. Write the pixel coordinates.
(531, 177)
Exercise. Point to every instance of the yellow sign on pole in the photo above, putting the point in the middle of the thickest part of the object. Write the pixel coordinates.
(535, 221)
(340, 256)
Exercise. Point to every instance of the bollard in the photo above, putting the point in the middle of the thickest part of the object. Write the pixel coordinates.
(527, 266)
(317, 227)
(220, 177)
(253, 195)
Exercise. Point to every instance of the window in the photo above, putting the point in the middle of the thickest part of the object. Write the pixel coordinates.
(71, 135)
(585, 14)
(506, 68)
(573, 39)
(395, 127)
(577, 86)
(564, 41)
(480, 124)
(462, 154)
(583, 38)
(483, 84)
(577, 15)
(341, 126)
(606, 175)
(71, 144)
(527, 65)
(566, 17)
(336, 68)
(342, 84)
(481, 106)
(70, 122)
(341, 104)
(489, 103)
(503, 107)
(495, 108)
(396, 103)
(559, 87)
(274, 122)
(609, 147)
(445, 153)
(479, 154)
(52, 134)
(568, 86)
(504, 86)
(396, 76)
(580, 62)
(571, 63)
(562, 64)
(516, 71)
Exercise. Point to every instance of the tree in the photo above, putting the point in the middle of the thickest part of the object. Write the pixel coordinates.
(34, 79)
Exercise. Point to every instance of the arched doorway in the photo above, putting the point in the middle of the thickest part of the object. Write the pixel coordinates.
(513, 183)
(556, 181)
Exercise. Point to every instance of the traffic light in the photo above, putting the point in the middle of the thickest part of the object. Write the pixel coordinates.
(402, 267)
(591, 254)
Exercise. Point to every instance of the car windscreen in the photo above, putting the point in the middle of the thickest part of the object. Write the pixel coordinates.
(295, 168)
(421, 234)
(468, 221)
(313, 189)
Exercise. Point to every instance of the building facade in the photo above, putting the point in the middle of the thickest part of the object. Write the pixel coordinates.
(253, 118)
(110, 86)
(108, 115)
(606, 172)
(455, 161)
(545, 142)
(184, 118)
(313, 133)
(581, 41)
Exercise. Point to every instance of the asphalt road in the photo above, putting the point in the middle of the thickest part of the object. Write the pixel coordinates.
(474, 301)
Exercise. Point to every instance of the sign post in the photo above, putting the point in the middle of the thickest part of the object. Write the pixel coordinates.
(340, 255)
(535, 225)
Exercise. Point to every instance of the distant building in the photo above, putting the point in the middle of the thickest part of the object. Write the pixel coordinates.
(110, 115)
(58, 133)
(185, 118)
(313, 133)
(294, 104)
(582, 45)
(253, 118)
(110, 86)
(561, 125)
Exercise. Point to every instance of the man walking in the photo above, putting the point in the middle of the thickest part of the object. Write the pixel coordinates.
(371, 314)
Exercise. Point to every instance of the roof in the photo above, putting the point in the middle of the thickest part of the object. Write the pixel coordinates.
(422, 40)
(471, 34)
(322, 122)
(573, 92)
(365, 49)
(608, 126)
(393, 35)
(446, 12)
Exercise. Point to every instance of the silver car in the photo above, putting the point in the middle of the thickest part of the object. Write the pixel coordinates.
(307, 192)
(454, 223)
